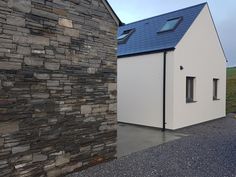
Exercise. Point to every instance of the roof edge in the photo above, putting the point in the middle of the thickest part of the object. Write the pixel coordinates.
(217, 33)
(167, 13)
(146, 52)
(112, 12)
(205, 4)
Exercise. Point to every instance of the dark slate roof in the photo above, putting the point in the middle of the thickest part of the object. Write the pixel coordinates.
(145, 39)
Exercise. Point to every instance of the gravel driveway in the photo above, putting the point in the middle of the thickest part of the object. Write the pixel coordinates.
(210, 151)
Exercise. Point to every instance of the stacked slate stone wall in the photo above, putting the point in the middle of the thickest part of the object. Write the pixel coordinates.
(57, 86)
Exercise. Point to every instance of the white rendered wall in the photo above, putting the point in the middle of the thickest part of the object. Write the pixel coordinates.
(201, 55)
(140, 90)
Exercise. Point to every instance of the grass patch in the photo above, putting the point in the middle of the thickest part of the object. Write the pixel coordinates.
(231, 90)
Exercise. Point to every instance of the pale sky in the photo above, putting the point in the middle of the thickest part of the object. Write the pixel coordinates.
(223, 11)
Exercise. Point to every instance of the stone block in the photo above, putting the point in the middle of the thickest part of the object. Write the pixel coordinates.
(67, 88)
(33, 61)
(38, 40)
(3, 162)
(54, 173)
(38, 52)
(52, 83)
(63, 159)
(10, 66)
(52, 66)
(20, 165)
(40, 95)
(71, 32)
(61, 12)
(89, 119)
(20, 39)
(86, 109)
(38, 157)
(19, 149)
(91, 70)
(112, 87)
(25, 158)
(16, 21)
(8, 84)
(9, 127)
(107, 127)
(45, 14)
(71, 168)
(41, 76)
(62, 38)
(1, 142)
(20, 5)
(113, 107)
(23, 50)
(65, 22)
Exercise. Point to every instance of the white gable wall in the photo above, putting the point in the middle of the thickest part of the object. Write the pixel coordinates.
(140, 90)
(201, 55)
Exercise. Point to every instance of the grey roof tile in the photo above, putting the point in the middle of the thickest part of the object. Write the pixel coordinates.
(146, 37)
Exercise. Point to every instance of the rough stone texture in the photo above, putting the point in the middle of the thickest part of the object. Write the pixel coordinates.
(19, 149)
(86, 109)
(38, 157)
(1, 141)
(65, 22)
(209, 151)
(33, 61)
(17, 21)
(8, 127)
(57, 86)
(10, 66)
(52, 66)
(63, 159)
(20, 5)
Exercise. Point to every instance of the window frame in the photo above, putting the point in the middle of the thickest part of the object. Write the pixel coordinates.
(190, 89)
(172, 29)
(126, 33)
(215, 89)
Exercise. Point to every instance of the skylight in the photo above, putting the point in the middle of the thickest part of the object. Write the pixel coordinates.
(124, 36)
(171, 24)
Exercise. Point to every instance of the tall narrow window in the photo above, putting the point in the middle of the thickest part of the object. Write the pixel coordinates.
(215, 89)
(190, 89)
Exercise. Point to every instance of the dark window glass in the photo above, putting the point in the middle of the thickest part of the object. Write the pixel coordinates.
(124, 36)
(190, 89)
(215, 89)
(171, 24)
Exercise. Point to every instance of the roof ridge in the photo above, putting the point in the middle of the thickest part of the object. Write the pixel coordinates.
(165, 14)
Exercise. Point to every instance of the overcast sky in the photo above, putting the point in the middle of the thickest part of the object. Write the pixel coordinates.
(223, 11)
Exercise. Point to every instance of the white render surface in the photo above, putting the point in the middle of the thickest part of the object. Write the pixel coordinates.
(140, 81)
(140, 90)
(201, 55)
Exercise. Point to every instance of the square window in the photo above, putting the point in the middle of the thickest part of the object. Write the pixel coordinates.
(190, 89)
(171, 24)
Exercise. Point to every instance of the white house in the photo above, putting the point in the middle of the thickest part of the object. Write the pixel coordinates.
(171, 70)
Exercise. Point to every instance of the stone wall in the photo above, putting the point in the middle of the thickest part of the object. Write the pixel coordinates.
(57, 86)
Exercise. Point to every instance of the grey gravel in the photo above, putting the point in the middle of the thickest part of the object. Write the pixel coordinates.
(209, 151)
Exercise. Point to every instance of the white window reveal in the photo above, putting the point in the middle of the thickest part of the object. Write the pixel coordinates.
(190, 84)
(215, 89)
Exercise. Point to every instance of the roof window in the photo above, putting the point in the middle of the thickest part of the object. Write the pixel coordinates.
(171, 24)
(124, 36)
